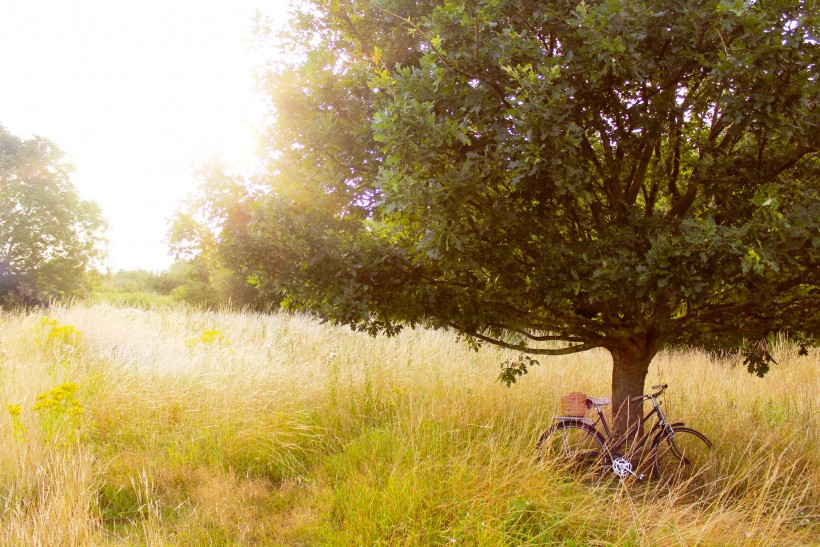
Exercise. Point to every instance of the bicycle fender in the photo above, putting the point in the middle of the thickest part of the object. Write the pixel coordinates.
(581, 423)
(573, 420)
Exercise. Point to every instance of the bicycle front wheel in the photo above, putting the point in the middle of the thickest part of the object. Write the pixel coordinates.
(685, 457)
(577, 447)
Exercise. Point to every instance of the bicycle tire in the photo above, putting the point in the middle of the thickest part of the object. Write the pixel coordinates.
(574, 446)
(687, 458)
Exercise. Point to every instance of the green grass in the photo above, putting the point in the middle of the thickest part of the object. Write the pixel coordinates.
(141, 300)
(240, 429)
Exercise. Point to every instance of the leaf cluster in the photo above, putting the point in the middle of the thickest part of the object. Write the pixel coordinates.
(531, 173)
(49, 236)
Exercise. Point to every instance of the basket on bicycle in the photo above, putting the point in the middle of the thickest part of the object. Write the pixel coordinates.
(574, 404)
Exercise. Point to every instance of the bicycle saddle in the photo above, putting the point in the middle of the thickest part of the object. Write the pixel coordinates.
(601, 401)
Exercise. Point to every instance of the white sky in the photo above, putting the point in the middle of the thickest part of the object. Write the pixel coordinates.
(137, 94)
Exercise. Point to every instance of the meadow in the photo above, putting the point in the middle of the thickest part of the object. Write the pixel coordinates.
(175, 426)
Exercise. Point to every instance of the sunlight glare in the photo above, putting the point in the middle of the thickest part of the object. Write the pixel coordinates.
(138, 96)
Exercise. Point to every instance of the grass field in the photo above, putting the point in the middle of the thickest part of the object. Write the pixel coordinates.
(180, 427)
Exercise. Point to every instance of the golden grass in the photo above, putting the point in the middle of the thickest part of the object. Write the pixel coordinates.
(236, 428)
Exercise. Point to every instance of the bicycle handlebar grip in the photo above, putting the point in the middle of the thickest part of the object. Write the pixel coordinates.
(661, 387)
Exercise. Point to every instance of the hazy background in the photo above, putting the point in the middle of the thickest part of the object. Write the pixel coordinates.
(136, 94)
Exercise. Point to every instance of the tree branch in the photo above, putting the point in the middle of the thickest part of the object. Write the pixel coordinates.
(545, 338)
(518, 347)
(359, 38)
(589, 153)
(798, 155)
(638, 174)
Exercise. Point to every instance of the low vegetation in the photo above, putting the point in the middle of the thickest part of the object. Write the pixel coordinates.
(195, 282)
(182, 427)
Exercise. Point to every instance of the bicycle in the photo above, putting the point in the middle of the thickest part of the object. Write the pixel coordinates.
(676, 454)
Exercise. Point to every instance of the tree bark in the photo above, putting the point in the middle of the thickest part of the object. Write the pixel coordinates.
(630, 364)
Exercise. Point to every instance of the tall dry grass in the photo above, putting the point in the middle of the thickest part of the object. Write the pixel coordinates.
(226, 428)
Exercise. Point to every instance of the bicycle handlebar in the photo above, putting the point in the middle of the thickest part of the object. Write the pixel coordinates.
(660, 387)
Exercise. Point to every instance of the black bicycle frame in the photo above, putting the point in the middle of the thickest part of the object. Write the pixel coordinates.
(640, 443)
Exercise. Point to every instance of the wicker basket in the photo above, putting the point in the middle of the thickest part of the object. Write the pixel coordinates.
(574, 404)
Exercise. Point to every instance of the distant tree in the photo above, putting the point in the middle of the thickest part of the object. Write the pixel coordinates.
(206, 261)
(49, 237)
(547, 176)
(193, 284)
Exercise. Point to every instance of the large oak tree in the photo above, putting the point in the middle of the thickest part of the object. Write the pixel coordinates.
(549, 176)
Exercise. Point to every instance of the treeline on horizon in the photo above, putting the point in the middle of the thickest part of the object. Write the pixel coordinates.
(193, 282)
(52, 243)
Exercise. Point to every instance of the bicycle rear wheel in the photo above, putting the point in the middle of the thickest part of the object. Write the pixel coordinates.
(577, 447)
(686, 457)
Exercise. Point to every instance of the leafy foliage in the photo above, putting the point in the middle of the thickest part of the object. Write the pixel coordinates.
(513, 369)
(758, 359)
(195, 281)
(49, 237)
(607, 174)
(205, 272)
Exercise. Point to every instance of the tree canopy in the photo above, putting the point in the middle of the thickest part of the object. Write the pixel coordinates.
(49, 236)
(549, 176)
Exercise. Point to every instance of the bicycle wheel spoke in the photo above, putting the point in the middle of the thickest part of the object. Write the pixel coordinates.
(573, 448)
(686, 458)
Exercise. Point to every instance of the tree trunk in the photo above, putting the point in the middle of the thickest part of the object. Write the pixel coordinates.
(630, 363)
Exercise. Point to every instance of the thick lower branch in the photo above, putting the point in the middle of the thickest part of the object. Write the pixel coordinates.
(525, 349)
(546, 338)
